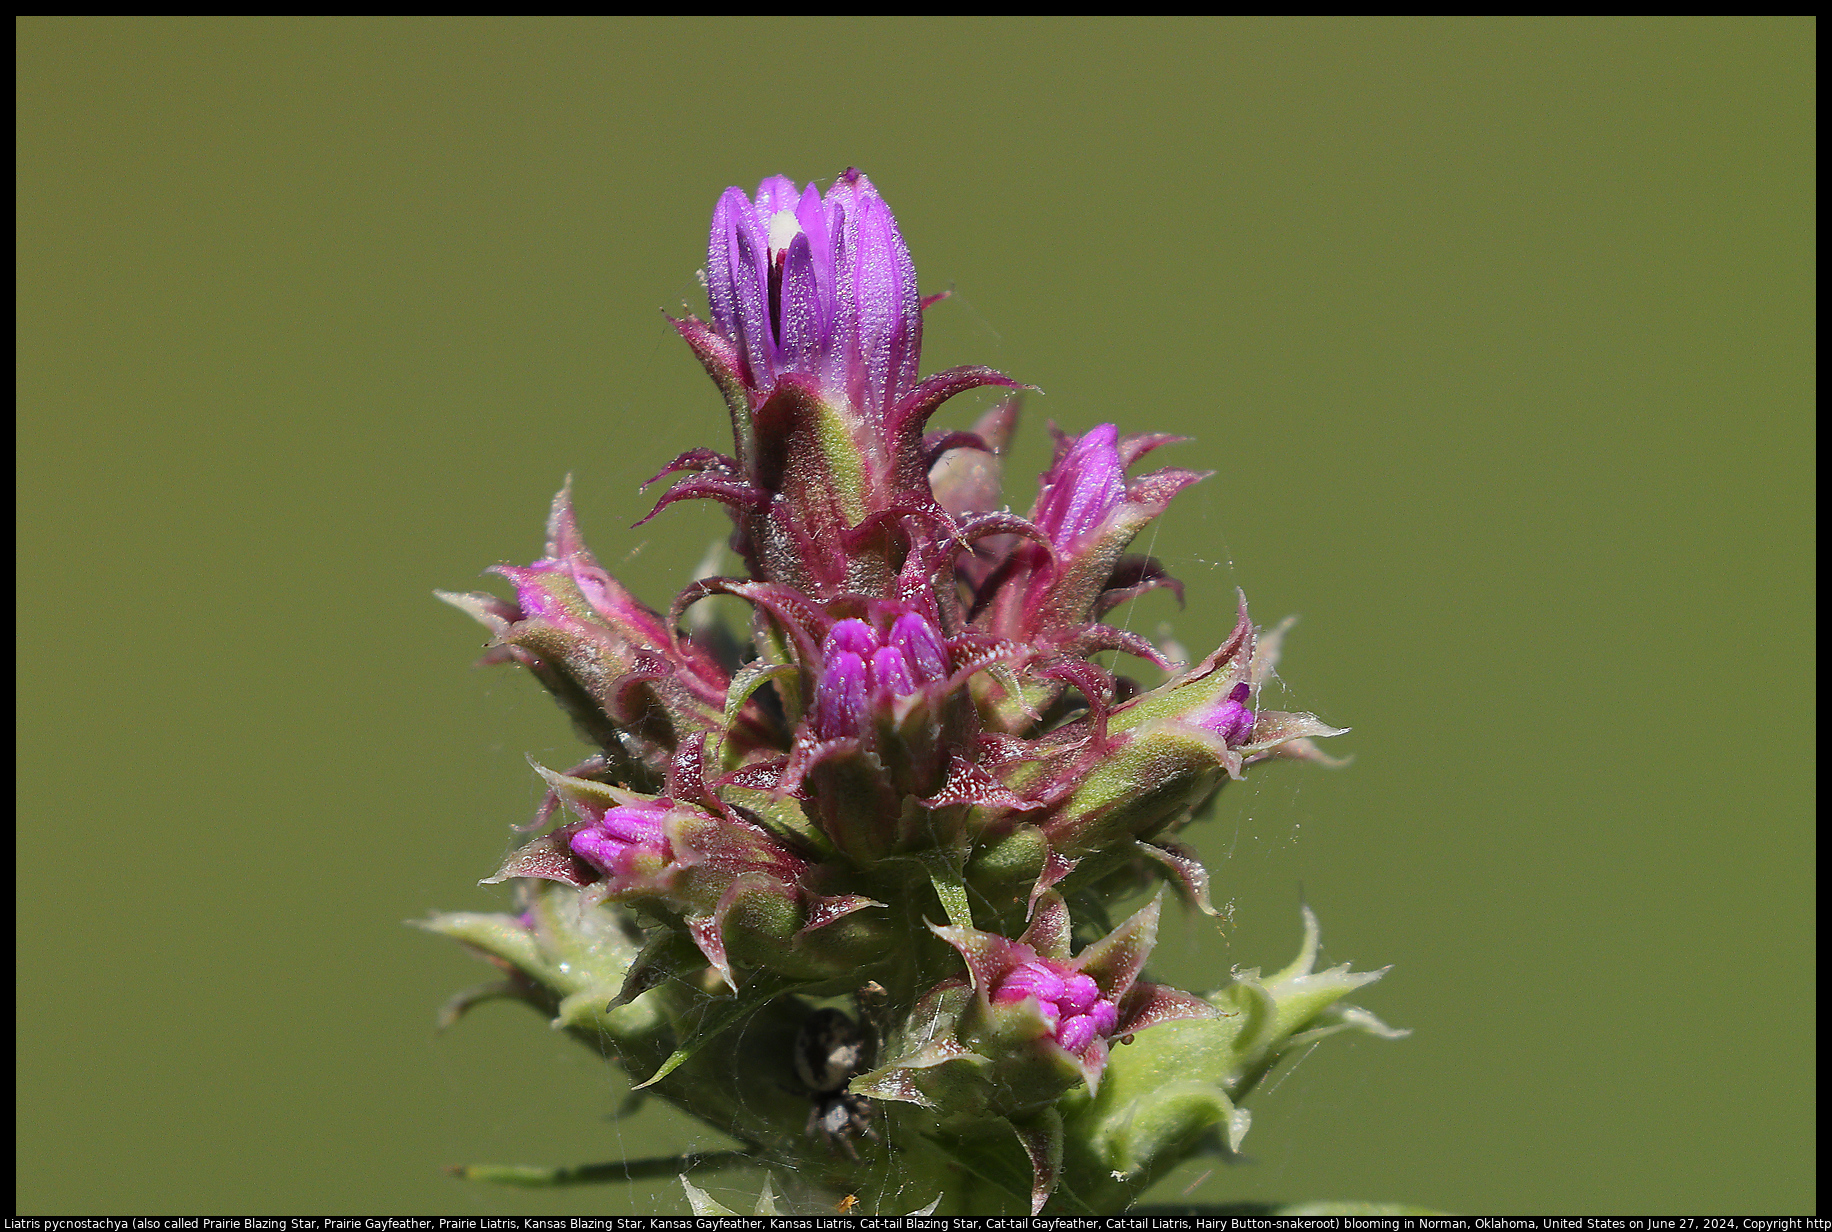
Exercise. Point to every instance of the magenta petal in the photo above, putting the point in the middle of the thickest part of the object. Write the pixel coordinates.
(801, 328)
(774, 195)
(632, 825)
(1082, 488)
(835, 363)
(1231, 720)
(1031, 979)
(1079, 993)
(597, 848)
(750, 279)
(737, 281)
(881, 320)
(721, 290)
(811, 213)
(1077, 1032)
(1106, 1016)
(922, 646)
(852, 637)
(1052, 1015)
(890, 672)
(842, 698)
(885, 301)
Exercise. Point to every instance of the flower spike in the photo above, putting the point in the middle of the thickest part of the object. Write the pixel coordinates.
(811, 880)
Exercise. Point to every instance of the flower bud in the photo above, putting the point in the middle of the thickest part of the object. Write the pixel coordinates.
(742, 894)
(862, 675)
(815, 342)
(880, 727)
(622, 839)
(921, 647)
(1069, 1001)
(1231, 719)
(1036, 1025)
(1083, 487)
(1045, 586)
(842, 699)
(819, 287)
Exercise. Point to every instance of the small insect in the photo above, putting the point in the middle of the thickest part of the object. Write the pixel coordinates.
(846, 1204)
(830, 1051)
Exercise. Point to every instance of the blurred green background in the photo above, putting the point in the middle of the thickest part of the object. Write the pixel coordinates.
(1498, 335)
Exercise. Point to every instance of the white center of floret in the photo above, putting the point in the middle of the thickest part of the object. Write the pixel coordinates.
(783, 229)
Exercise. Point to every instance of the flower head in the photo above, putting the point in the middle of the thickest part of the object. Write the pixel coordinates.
(819, 286)
(1070, 1002)
(920, 718)
(863, 673)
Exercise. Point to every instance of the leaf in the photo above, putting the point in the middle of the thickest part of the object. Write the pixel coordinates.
(665, 955)
(780, 815)
(766, 1199)
(501, 936)
(747, 680)
(1184, 870)
(1042, 1138)
(1002, 1169)
(461, 1004)
(944, 869)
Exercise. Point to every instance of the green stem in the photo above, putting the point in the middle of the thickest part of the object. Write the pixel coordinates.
(530, 1177)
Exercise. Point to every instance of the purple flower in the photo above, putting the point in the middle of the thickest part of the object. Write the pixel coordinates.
(862, 671)
(1084, 999)
(623, 836)
(1082, 488)
(1071, 1002)
(842, 699)
(1231, 719)
(818, 286)
(919, 643)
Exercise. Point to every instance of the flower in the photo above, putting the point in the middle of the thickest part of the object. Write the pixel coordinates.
(621, 839)
(1069, 1001)
(815, 341)
(862, 672)
(1231, 719)
(819, 286)
(1078, 1002)
(1082, 488)
(1046, 585)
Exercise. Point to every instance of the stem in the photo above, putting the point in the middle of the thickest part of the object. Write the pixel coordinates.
(529, 1177)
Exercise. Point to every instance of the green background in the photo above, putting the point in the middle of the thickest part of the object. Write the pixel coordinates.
(1497, 334)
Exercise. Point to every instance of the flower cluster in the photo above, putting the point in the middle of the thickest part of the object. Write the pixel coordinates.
(863, 674)
(914, 728)
(1069, 1001)
(623, 840)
